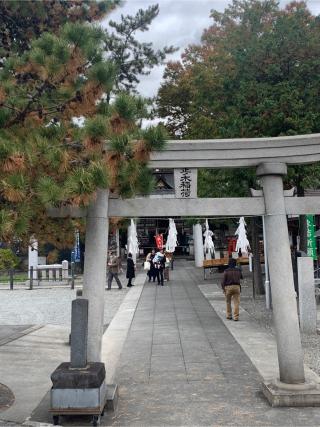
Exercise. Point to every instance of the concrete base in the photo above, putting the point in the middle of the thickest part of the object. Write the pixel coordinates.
(295, 395)
(78, 391)
(112, 397)
(75, 401)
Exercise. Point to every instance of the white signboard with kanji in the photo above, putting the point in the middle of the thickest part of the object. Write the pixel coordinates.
(185, 183)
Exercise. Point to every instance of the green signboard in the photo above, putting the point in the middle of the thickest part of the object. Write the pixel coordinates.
(311, 247)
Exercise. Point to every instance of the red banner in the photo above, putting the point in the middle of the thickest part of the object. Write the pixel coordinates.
(159, 241)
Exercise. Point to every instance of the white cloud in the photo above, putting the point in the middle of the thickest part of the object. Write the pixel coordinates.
(179, 23)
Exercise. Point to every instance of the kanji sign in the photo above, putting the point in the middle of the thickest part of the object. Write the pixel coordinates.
(185, 183)
(311, 242)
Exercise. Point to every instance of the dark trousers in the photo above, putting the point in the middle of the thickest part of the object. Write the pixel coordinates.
(110, 278)
(129, 282)
(152, 274)
(159, 275)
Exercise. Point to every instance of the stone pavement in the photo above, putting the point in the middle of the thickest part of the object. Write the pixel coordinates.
(26, 365)
(181, 366)
(179, 363)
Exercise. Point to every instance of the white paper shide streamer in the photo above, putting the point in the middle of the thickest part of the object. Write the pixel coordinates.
(172, 237)
(242, 242)
(208, 245)
(133, 244)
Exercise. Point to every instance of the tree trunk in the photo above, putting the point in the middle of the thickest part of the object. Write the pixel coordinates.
(257, 273)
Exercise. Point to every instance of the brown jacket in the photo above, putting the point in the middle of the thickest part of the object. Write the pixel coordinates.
(231, 276)
(114, 264)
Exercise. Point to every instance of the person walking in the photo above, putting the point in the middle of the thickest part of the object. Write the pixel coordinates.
(114, 266)
(232, 288)
(130, 270)
(151, 273)
(159, 264)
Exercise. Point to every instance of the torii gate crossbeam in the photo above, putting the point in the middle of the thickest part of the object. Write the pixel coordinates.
(144, 207)
(238, 153)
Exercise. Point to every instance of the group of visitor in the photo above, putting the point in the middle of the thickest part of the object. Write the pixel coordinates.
(156, 262)
(155, 265)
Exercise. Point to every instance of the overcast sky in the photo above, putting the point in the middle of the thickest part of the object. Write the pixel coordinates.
(179, 23)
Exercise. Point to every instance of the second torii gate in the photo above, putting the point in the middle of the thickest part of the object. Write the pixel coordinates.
(270, 156)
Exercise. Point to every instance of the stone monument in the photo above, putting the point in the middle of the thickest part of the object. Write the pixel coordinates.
(78, 386)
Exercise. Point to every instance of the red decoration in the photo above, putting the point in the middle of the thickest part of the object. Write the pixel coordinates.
(232, 243)
(159, 241)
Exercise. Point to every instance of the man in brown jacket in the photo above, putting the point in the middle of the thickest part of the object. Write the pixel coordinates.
(114, 266)
(231, 288)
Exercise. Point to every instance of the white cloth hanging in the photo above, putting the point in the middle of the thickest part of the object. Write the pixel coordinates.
(172, 237)
(133, 244)
(208, 245)
(242, 242)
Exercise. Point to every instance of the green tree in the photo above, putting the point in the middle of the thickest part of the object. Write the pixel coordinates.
(255, 74)
(45, 158)
(23, 20)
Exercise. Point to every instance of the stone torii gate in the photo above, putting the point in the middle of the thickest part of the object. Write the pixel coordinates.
(270, 156)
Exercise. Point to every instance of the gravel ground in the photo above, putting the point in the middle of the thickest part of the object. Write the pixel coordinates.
(310, 343)
(50, 305)
(257, 309)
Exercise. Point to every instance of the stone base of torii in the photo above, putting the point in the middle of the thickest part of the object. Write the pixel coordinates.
(292, 388)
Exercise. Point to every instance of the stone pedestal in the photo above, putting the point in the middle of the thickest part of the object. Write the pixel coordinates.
(294, 395)
(78, 391)
(79, 387)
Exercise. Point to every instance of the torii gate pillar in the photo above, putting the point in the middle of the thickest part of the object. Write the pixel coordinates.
(285, 314)
(95, 265)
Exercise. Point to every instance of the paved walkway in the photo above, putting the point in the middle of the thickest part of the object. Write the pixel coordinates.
(181, 366)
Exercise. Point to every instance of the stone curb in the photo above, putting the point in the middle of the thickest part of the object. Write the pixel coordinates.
(116, 334)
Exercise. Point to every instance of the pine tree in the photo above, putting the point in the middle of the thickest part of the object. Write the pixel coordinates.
(23, 20)
(45, 158)
(133, 58)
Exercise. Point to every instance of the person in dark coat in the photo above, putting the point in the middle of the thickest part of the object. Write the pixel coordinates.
(130, 270)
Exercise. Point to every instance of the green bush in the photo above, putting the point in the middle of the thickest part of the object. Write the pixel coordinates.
(8, 259)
